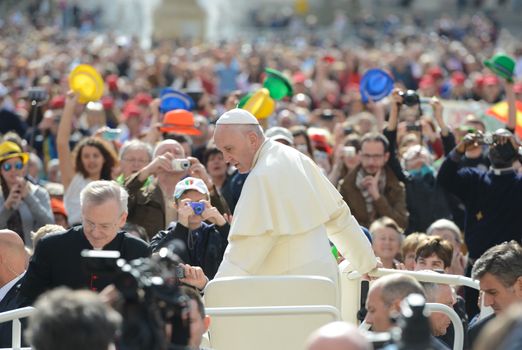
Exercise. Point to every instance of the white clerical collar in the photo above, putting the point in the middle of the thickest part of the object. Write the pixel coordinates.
(256, 156)
(501, 171)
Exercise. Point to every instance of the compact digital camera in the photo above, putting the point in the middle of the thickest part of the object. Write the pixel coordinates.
(180, 164)
(37, 94)
(198, 207)
(349, 151)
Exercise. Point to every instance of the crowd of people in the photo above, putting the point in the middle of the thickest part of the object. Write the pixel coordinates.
(429, 194)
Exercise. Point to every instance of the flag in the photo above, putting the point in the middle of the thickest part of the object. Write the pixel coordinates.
(500, 112)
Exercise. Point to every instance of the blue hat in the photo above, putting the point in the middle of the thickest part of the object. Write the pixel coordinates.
(172, 99)
(376, 84)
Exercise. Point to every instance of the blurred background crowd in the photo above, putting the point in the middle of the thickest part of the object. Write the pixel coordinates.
(323, 54)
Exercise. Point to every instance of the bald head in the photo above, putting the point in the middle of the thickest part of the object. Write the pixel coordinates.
(171, 146)
(338, 336)
(13, 257)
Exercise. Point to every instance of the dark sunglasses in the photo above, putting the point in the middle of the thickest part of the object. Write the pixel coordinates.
(9, 166)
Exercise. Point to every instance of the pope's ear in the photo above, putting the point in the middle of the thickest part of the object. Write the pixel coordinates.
(252, 137)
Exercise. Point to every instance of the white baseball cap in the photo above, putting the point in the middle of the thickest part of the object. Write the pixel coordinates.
(190, 183)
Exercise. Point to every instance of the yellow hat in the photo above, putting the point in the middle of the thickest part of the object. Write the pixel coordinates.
(10, 150)
(261, 105)
(86, 82)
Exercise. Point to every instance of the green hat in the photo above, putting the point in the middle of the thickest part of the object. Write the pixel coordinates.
(278, 84)
(502, 65)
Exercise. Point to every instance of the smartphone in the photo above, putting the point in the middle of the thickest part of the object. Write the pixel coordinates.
(349, 151)
(111, 134)
(413, 127)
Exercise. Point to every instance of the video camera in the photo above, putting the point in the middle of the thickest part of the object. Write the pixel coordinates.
(412, 332)
(152, 300)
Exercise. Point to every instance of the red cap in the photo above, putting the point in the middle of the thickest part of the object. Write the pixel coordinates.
(57, 102)
(107, 102)
(479, 81)
(435, 72)
(57, 207)
(299, 78)
(328, 59)
(426, 82)
(112, 82)
(490, 80)
(321, 143)
(131, 110)
(458, 78)
(143, 99)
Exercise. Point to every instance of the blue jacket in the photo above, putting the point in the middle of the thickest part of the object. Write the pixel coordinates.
(493, 203)
(205, 246)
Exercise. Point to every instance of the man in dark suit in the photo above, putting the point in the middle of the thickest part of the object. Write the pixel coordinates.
(57, 258)
(13, 262)
(499, 271)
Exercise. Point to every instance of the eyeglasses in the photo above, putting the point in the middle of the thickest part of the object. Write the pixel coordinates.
(90, 226)
(372, 156)
(9, 166)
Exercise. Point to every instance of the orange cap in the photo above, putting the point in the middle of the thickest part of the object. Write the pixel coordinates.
(179, 121)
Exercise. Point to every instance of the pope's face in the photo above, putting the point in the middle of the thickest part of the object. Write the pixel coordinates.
(238, 145)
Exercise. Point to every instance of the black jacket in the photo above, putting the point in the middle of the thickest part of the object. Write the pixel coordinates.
(426, 201)
(57, 262)
(8, 303)
(204, 247)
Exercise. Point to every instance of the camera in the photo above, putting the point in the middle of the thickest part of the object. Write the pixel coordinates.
(37, 94)
(413, 127)
(413, 331)
(349, 151)
(151, 297)
(485, 138)
(197, 207)
(111, 134)
(180, 164)
(409, 97)
(327, 115)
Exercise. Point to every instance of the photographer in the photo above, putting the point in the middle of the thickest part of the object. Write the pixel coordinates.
(24, 206)
(152, 206)
(491, 198)
(420, 179)
(205, 243)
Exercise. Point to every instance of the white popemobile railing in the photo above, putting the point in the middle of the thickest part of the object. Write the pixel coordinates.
(351, 301)
(350, 284)
(15, 316)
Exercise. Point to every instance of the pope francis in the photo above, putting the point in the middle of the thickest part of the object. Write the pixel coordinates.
(287, 210)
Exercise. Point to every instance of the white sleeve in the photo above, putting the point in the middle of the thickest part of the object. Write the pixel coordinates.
(344, 231)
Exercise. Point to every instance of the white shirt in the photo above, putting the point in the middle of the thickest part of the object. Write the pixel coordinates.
(71, 199)
(7, 287)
